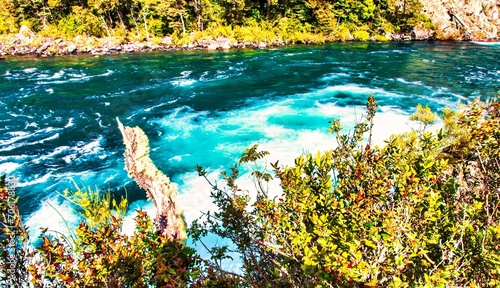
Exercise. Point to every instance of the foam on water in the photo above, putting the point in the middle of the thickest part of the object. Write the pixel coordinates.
(183, 82)
(71, 79)
(27, 139)
(29, 70)
(9, 167)
(58, 216)
(70, 123)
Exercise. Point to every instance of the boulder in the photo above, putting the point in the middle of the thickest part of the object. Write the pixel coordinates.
(166, 40)
(463, 19)
(421, 33)
(44, 47)
(213, 46)
(71, 48)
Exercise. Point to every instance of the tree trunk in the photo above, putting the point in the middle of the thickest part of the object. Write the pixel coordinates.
(145, 25)
(183, 26)
(169, 222)
(197, 9)
(135, 22)
(105, 26)
(268, 9)
(120, 16)
(110, 19)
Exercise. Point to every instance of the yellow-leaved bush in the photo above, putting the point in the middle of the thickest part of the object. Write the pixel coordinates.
(421, 210)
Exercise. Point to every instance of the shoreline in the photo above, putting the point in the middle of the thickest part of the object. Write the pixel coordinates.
(39, 46)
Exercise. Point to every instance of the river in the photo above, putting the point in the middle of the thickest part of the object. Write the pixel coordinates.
(58, 114)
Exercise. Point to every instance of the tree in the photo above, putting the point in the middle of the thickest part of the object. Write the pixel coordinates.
(81, 21)
(174, 13)
(8, 17)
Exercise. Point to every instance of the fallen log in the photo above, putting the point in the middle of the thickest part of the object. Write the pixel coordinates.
(169, 222)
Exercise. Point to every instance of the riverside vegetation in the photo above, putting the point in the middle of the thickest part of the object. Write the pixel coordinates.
(48, 27)
(421, 210)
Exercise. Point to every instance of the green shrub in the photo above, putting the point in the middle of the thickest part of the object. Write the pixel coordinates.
(51, 30)
(381, 38)
(420, 211)
(180, 39)
(361, 35)
(224, 31)
(81, 22)
(120, 34)
(343, 34)
(99, 254)
(8, 23)
(156, 40)
(155, 27)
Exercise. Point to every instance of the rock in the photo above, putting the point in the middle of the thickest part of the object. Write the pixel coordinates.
(400, 37)
(213, 46)
(25, 33)
(462, 19)
(71, 48)
(421, 33)
(166, 40)
(223, 43)
(43, 47)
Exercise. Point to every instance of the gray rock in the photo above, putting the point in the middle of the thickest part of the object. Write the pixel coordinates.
(421, 33)
(262, 45)
(213, 46)
(43, 47)
(166, 40)
(461, 19)
(71, 48)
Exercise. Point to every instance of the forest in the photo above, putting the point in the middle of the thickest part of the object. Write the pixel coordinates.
(243, 20)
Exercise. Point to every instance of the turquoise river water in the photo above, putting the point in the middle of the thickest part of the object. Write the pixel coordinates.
(197, 107)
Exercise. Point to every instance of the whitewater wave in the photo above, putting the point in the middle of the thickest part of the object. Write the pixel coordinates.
(183, 82)
(9, 167)
(73, 78)
(21, 139)
(58, 216)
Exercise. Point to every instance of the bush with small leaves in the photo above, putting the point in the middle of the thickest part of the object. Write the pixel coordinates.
(422, 210)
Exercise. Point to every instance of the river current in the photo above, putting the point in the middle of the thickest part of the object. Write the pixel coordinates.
(58, 114)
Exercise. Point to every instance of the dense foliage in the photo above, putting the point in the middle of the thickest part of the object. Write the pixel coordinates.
(421, 210)
(271, 20)
(97, 254)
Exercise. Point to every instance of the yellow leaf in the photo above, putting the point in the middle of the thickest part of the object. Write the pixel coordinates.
(372, 283)
(370, 244)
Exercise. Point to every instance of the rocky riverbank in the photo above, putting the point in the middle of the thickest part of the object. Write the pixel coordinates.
(21, 44)
(28, 43)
